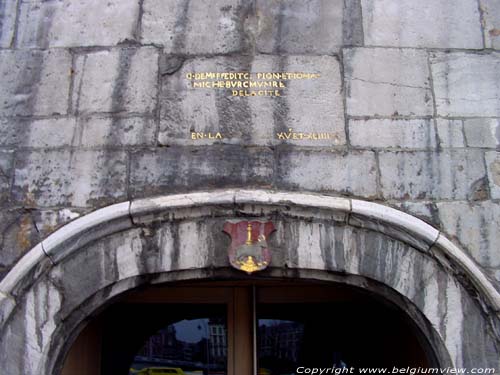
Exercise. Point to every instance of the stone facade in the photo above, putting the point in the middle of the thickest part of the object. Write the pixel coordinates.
(95, 109)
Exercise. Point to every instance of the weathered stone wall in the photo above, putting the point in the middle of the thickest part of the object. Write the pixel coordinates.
(94, 107)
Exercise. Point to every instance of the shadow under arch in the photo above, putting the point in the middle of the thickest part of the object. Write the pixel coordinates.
(98, 303)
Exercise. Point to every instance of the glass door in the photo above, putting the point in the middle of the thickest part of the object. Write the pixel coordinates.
(245, 328)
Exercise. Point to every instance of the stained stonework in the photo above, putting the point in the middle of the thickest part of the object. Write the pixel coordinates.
(96, 108)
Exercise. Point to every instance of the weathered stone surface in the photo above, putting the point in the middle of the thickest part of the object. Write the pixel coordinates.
(328, 171)
(482, 132)
(392, 133)
(387, 82)
(7, 22)
(451, 174)
(476, 226)
(427, 23)
(493, 167)
(77, 23)
(491, 23)
(6, 162)
(176, 169)
(34, 82)
(116, 131)
(450, 133)
(299, 27)
(196, 27)
(54, 132)
(48, 221)
(423, 210)
(73, 178)
(18, 234)
(117, 80)
(306, 105)
(466, 84)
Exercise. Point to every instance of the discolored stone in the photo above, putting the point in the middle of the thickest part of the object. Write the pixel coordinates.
(392, 133)
(76, 23)
(426, 23)
(298, 27)
(118, 80)
(196, 27)
(178, 169)
(34, 82)
(387, 82)
(71, 178)
(328, 171)
(476, 228)
(430, 175)
(466, 84)
(493, 168)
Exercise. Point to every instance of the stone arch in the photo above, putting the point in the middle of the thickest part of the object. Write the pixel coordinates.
(80, 267)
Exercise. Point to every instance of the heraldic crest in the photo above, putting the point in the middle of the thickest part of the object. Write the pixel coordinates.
(249, 250)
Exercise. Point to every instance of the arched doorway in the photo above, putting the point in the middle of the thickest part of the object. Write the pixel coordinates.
(246, 327)
(65, 281)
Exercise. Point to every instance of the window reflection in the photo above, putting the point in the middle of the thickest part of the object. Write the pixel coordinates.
(188, 346)
(279, 345)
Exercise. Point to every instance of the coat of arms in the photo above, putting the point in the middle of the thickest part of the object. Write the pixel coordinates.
(249, 251)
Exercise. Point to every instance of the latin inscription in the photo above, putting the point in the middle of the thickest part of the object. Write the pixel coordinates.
(247, 84)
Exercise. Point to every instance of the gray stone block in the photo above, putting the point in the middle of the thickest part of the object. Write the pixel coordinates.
(18, 234)
(387, 82)
(180, 169)
(491, 22)
(72, 178)
(451, 174)
(476, 228)
(466, 84)
(300, 27)
(6, 163)
(450, 133)
(196, 27)
(493, 167)
(8, 10)
(354, 173)
(117, 80)
(392, 133)
(76, 23)
(116, 131)
(34, 82)
(307, 105)
(54, 132)
(483, 132)
(426, 23)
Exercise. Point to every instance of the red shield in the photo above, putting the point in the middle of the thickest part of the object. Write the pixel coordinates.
(249, 251)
